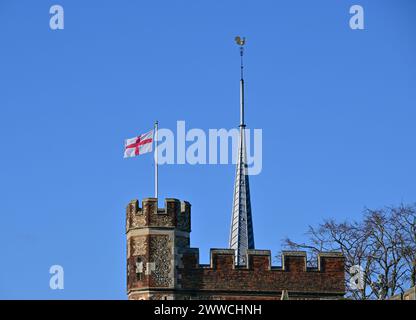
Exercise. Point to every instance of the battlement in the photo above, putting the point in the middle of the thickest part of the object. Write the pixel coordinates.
(161, 264)
(292, 261)
(260, 278)
(175, 214)
(224, 259)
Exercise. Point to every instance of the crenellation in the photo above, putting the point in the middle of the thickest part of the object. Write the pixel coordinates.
(259, 259)
(190, 259)
(330, 261)
(161, 264)
(222, 259)
(294, 261)
(175, 214)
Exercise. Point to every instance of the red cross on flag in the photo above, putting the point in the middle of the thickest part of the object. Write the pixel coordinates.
(138, 145)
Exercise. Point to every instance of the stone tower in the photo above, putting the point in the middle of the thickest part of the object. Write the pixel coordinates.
(155, 237)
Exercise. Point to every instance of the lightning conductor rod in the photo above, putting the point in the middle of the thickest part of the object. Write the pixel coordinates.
(241, 42)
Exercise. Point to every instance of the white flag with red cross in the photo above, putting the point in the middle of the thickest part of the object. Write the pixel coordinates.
(138, 145)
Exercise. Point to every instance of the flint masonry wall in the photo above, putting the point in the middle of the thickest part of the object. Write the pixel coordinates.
(161, 265)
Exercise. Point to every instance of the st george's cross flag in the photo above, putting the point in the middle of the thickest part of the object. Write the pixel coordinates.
(138, 145)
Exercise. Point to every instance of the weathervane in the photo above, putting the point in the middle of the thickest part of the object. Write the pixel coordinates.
(240, 41)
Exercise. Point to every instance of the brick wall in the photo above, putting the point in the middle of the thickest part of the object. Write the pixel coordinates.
(259, 279)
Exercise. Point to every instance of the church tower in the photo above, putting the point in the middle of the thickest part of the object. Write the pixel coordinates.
(162, 265)
(241, 231)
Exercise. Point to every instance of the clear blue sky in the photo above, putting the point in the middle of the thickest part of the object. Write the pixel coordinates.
(337, 108)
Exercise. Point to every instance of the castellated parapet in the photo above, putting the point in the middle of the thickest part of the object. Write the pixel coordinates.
(161, 265)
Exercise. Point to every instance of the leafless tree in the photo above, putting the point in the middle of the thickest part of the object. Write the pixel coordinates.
(404, 219)
(383, 244)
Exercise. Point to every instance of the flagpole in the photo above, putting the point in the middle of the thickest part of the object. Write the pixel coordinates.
(155, 156)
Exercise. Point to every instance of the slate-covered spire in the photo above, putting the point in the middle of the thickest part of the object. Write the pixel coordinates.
(241, 233)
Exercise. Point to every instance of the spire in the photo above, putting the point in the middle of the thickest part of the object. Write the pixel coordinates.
(241, 233)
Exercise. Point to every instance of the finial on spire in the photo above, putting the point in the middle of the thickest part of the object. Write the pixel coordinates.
(240, 41)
